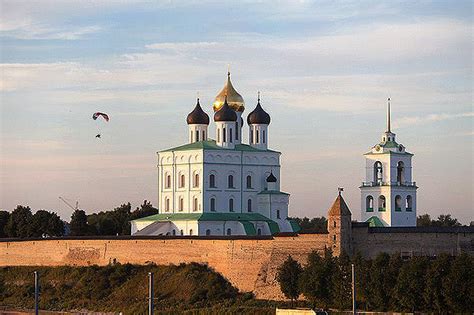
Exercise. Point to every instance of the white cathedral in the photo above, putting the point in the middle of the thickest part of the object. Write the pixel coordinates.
(222, 186)
(388, 194)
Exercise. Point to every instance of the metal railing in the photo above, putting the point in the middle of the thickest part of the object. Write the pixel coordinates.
(374, 184)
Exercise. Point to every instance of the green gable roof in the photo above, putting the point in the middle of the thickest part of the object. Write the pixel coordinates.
(211, 145)
(374, 222)
(295, 226)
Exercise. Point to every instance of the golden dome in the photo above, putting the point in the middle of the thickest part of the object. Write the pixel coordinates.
(234, 99)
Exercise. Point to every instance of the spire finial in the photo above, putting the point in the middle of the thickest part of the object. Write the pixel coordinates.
(197, 94)
(388, 115)
(340, 190)
(228, 70)
(258, 96)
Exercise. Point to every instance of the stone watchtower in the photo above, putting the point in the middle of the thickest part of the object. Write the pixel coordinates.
(340, 227)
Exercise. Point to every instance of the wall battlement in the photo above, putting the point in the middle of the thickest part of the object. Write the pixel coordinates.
(249, 263)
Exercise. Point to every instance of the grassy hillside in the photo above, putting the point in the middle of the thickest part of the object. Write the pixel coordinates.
(188, 289)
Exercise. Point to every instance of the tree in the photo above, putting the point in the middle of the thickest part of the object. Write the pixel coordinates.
(145, 210)
(289, 276)
(458, 284)
(446, 220)
(315, 225)
(78, 223)
(46, 223)
(423, 220)
(316, 279)
(4, 216)
(379, 290)
(433, 294)
(18, 223)
(121, 216)
(410, 285)
(342, 282)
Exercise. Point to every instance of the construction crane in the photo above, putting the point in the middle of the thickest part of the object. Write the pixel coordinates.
(69, 205)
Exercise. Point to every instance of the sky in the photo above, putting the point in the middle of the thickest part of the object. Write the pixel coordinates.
(324, 69)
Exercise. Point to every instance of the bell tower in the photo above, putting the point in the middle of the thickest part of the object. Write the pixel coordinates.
(388, 194)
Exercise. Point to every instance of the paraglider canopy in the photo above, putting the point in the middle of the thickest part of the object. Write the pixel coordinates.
(96, 115)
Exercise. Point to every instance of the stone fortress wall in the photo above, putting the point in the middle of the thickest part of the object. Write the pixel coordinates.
(249, 263)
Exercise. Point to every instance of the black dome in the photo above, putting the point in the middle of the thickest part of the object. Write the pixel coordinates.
(258, 116)
(197, 116)
(225, 113)
(271, 178)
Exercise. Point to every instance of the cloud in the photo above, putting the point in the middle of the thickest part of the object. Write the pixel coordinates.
(418, 120)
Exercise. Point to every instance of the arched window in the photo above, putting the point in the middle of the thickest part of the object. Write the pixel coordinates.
(181, 181)
(249, 205)
(196, 180)
(259, 231)
(256, 133)
(398, 203)
(223, 135)
(167, 204)
(212, 181)
(251, 136)
(174, 232)
(400, 173)
(378, 172)
(264, 136)
(278, 214)
(382, 203)
(213, 204)
(230, 135)
(229, 232)
(231, 205)
(168, 181)
(197, 135)
(191, 232)
(208, 232)
(409, 203)
(181, 203)
(195, 204)
(369, 204)
(249, 182)
(230, 181)
(181, 232)
(203, 135)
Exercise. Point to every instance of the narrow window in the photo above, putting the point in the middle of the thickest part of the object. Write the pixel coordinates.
(231, 205)
(213, 204)
(218, 135)
(230, 135)
(278, 214)
(251, 136)
(409, 203)
(195, 204)
(208, 232)
(249, 181)
(263, 136)
(259, 231)
(181, 181)
(181, 204)
(230, 181)
(229, 232)
(400, 173)
(378, 172)
(191, 135)
(258, 140)
(181, 232)
(197, 135)
(196, 180)
(369, 204)
(398, 203)
(223, 135)
(174, 232)
(168, 181)
(249, 205)
(191, 232)
(167, 204)
(203, 135)
(236, 130)
(212, 181)
(382, 205)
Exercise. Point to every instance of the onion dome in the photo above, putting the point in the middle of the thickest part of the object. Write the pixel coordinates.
(258, 115)
(197, 116)
(225, 113)
(271, 178)
(234, 99)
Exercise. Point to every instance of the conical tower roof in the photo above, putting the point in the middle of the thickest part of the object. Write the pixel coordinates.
(339, 207)
(234, 99)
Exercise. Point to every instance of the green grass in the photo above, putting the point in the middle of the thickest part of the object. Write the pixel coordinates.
(184, 289)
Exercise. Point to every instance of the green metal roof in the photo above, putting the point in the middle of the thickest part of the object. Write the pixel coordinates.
(272, 192)
(274, 228)
(249, 228)
(294, 226)
(374, 222)
(211, 145)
